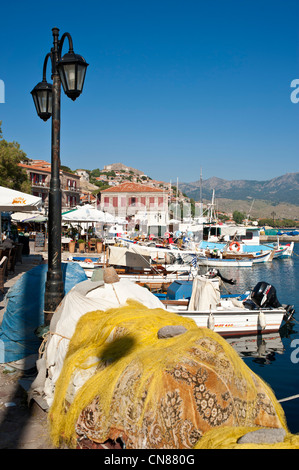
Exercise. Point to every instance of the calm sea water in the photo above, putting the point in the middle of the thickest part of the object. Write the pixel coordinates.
(274, 357)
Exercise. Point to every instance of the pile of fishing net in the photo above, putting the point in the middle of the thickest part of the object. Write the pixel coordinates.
(122, 381)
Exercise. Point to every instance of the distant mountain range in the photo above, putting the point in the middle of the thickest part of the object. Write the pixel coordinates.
(283, 189)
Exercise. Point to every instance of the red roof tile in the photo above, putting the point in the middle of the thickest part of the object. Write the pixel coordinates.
(35, 167)
(44, 167)
(132, 188)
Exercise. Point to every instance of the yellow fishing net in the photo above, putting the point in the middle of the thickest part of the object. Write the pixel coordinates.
(120, 380)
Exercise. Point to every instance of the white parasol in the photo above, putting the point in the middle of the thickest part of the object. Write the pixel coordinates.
(87, 213)
(16, 201)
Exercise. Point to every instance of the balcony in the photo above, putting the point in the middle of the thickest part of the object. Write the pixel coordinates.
(70, 189)
(40, 184)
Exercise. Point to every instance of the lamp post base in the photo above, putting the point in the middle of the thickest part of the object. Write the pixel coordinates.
(54, 294)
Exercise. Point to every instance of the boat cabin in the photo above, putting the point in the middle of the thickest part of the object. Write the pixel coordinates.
(225, 233)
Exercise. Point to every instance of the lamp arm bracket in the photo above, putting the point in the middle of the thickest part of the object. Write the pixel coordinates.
(45, 65)
(61, 41)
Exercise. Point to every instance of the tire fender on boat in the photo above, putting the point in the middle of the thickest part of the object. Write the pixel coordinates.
(262, 320)
(211, 321)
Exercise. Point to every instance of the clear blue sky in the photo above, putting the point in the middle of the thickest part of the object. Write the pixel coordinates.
(172, 86)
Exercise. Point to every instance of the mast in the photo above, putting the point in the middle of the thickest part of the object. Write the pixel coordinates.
(177, 198)
(200, 194)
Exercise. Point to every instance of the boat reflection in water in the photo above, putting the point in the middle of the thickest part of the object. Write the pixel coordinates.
(263, 347)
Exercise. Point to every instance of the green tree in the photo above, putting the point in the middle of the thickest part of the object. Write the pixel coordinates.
(238, 217)
(11, 174)
(95, 173)
(66, 168)
(223, 217)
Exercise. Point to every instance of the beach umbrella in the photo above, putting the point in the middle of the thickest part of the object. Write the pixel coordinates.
(11, 201)
(28, 217)
(39, 219)
(16, 201)
(88, 213)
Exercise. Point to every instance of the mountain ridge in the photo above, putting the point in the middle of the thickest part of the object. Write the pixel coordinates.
(281, 189)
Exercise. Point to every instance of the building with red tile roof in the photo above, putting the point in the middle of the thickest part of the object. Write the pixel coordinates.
(132, 199)
(39, 174)
(129, 187)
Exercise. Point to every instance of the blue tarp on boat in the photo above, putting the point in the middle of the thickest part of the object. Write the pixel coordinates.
(293, 233)
(25, 310)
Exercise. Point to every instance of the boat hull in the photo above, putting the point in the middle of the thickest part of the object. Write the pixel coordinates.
(214, 262)
(235, 322)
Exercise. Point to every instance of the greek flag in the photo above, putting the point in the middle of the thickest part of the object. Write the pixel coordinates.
(194, 261)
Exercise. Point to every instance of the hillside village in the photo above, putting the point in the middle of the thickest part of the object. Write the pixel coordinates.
(117, 173)
(83, 186)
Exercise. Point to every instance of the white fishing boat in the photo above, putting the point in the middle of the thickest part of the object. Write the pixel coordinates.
(228, 320)
(136, 267)
(224, 259)
(221, 262)
(284, 251)
(247, 247)
(258, 314)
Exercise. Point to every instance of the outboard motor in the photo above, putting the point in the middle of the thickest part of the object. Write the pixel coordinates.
(289, 312)
(264, 296)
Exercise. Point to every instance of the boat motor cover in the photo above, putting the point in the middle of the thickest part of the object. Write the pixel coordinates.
(264, 295)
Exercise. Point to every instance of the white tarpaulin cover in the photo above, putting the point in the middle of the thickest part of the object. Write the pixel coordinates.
(205, 294)
(86, 296)
(11, 200)
(118, 254)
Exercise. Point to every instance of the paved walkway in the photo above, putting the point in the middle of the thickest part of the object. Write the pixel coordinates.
(21, 426)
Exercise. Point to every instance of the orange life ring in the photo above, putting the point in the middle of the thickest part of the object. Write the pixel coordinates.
(88, 260)
(233, 244)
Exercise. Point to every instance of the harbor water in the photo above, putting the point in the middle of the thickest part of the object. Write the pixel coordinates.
(274, 357)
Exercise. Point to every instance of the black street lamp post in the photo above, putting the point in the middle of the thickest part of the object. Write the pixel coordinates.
(69, 70)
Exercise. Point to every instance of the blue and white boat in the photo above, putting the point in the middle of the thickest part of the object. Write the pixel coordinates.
(241, 240)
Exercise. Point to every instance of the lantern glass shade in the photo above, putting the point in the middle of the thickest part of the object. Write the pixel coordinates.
(72, 69)
(81, 76)
(70, 75)
(42, 97)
